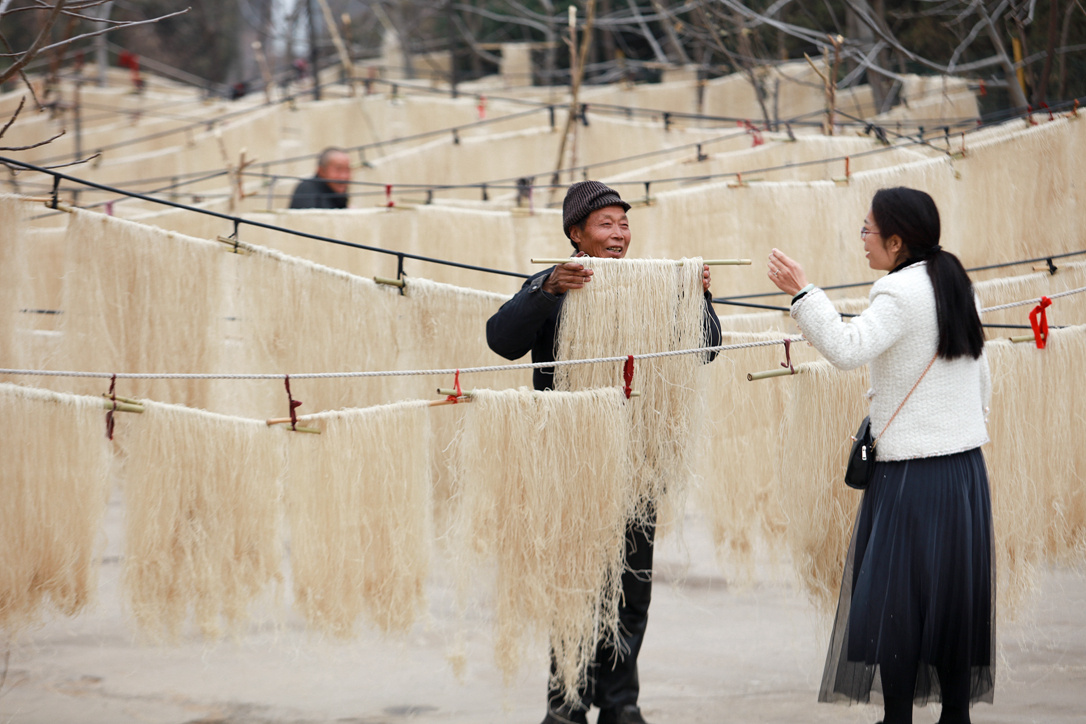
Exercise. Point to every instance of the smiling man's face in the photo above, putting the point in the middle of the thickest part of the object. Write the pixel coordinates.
(606, 233)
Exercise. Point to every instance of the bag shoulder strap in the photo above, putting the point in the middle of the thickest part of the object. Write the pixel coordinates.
(905, 400)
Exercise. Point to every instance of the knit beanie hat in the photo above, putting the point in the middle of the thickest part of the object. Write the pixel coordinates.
(583, 198)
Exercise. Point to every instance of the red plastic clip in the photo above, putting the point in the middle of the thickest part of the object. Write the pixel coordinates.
(454, 398)
(294, 404)
(481, 107)
(787, 364)
(627, 375)
(1038, 319)
(388, 196)
(756, 134)
(1045, 106)
(109, 414)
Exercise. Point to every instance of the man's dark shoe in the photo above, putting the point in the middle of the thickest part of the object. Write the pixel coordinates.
(564, 715)
(629, 714)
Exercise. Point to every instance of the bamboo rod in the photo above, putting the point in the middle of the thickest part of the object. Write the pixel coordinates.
(448, 391)
(236, 246)
(121, 406)
(709, 262)
(129, 400)
(783, 372)
(286, 421)
(438, 403)
(391, 282)
(1023, 338)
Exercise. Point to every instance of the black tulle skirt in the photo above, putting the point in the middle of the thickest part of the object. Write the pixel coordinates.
(916, 617)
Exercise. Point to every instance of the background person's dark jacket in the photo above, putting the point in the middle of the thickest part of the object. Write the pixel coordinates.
(529, 323)
(315, 193)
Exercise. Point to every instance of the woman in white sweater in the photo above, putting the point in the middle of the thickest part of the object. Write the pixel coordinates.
(916, 616)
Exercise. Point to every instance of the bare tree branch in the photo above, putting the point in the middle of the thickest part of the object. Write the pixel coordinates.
(54, 166)
(35, 47)
(503, 18)
(1018, 96)
(669, 29)
(656, 49)
(33, 145)
(973, 32)
(68, 41)
(14, 115)
(22, 75)
(469, 38)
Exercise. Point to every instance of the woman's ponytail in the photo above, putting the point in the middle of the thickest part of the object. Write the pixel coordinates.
(913, 216)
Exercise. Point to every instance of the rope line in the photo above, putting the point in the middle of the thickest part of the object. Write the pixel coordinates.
(1024, 302)
(453, 370)
(391, 373)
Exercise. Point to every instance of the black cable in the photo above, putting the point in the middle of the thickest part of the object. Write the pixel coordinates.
(724, 300)
(237, 220)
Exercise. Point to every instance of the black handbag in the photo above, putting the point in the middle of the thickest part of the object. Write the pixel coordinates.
(861, 458)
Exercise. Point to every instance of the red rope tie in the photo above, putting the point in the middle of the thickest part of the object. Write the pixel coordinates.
(294, 404)
(454, 398)
(787, 364)
(1038, 319)
(627, 376)
(109, 414)
(388, 196)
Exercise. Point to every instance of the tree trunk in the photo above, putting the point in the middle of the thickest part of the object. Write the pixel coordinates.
(1018, 98)
(1040, 89)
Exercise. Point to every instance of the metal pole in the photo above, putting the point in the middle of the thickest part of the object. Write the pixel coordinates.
(101, 57)
(313, 56)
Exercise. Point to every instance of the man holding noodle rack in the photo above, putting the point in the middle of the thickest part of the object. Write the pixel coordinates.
(594, 219)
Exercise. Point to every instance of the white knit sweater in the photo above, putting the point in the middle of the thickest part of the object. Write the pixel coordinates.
(898, 335)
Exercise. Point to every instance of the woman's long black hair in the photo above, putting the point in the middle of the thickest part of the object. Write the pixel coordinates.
(913, 216)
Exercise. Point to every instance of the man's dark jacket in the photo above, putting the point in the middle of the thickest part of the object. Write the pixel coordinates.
(529, 323)
(315, 193)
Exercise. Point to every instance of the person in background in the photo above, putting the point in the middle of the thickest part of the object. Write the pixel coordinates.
(594, 220)
(328, 188)
(916, 615)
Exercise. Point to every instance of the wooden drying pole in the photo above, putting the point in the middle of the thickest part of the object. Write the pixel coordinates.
(577, 63)
(265, 71)
(829, 79)
(337, 40)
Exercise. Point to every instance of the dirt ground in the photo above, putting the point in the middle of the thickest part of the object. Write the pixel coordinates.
(713, 653)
